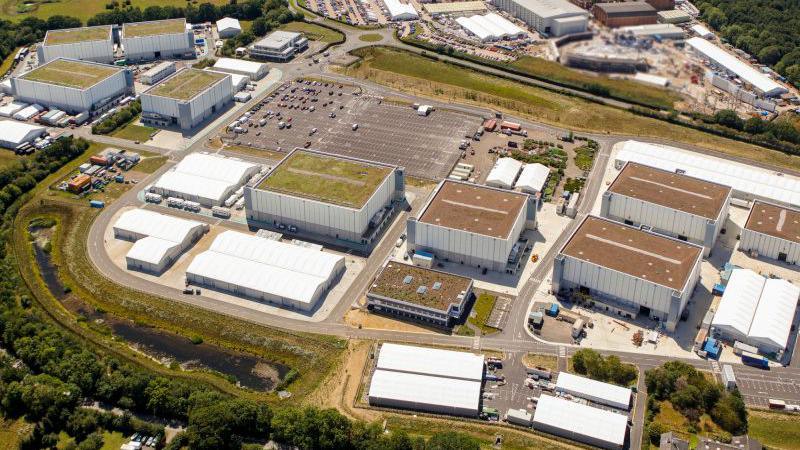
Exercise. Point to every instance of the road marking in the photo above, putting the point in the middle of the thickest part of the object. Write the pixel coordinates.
(562, 351)
(476, 343)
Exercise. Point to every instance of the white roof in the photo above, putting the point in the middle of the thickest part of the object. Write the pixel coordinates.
(701, 30)
(651, 79)
(28, 112)
(552, 8)
(759, 308)
(489, 26)
(10, 109)
(158, 68)
(228, 23)
(731, 63)
(581, 419)
(425, 390)
(762, 183)
(206, 176)
(399, 10)
(18, 132)
(533, 178)
(151, 249)
(664, 30)
(431, 361)
(772, 322)
(149, 223)
(504, 172)
(264, 265)
(239, 65)
(605, 393)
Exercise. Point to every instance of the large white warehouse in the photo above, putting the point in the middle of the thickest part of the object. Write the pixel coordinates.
(204, 178)
(581, 423)
(270, 271)
(628, 270)
(504, 173)
(549, 17)
(748, 182)
(159, 239)
(251, 69)
(400, 11)
(760, 82)
(145, 41)
(471, 224)
(772, 231)
(186, 98)
(73, 86)
(15, 134)
(757, 311)
(228, 27)
(85, 43)
(426, 379)
(596, 391)
(490, 27)
(680, 206)
(343, 199)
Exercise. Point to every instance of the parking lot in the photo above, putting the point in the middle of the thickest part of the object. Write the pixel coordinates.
(757, 388)
(341, 120)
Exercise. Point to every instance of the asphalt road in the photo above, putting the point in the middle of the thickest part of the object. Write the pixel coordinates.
(756, 385)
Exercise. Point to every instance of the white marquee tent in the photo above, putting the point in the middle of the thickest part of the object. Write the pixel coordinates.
(504, 173)
(204, 178)
(533, 178)
(582, 423)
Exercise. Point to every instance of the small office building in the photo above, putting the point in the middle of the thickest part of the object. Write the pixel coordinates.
(628, 271)
(420, 294)
(670, 203)
(279, 46)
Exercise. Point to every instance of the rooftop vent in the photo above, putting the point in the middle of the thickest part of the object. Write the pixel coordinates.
(422, 289)
(437, 285)
(407, 279)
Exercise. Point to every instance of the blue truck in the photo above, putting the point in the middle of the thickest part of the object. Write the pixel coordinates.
(752, 359)
(97, 204)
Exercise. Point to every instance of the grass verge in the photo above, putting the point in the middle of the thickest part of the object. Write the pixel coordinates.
(419, 75)
(8, 62)
(482, 308)
(313, 31)
(133, 132)
(546, 361)
(775, 430)
(370, 37)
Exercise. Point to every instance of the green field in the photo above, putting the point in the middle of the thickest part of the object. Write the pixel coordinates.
(370, 37)
(7, 157)
(154, 28)
(775, 430)
(56, 37)
(313, 32)
(12, 432)
(326, 178)
(186, 84)
(16, 10)
(133, 132)
(422, 76)
(75, 74)
(482, 308)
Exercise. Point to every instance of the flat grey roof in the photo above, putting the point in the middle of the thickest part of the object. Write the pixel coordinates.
(277, 39)
(626, 8)
(551, 8)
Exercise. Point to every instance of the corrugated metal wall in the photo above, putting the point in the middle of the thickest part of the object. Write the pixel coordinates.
(98, 51)
(145, 47)
(68, 99)
(671, 221)
(769, 246)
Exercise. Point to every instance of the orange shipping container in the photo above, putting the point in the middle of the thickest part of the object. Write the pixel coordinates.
(79, 183)
(510, 126)
(99, 160)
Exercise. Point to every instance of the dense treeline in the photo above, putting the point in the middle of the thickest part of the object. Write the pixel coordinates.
(119, 118)
(609, 368)
(29, 30)
(692, 394)
(767, 29)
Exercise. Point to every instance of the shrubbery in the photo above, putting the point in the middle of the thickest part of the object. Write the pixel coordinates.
(119, 118)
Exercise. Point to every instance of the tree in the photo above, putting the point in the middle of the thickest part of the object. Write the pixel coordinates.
(93, 442)
(260, 27)
(729, 118)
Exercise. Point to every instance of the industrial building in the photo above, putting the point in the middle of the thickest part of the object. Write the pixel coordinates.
(14, 135)
(533, 179)
(146, 41)
(427, 379)
(85, 43)
(602, 60)
(757, 311)
(628, 271)
(581, 423)
(596, 391)
(655, 31)
(702, 31)
(475, 225)
(158, 239)
(674, 16)
(748, 182)
(158, 72)
(228, 27)
(662, 5)
(186, 98)
(772, 231)
(436, 9)
(420, 294)
(400, 11)
(623, 14)
(339, 198)
(73, 86)
(669, 203)
(549, 17)
(733, 66)
(287, 275)
(279, 46)
(205, 178)
(251, 69)
(490, 27)
(504, 173)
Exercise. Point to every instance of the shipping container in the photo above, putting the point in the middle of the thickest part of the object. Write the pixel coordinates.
(577, 328)
(220, 211)
(152, 198)
(97, 204)
(175, 202)
(776, 404)
(740, 347)
(79, 183)
(513, 126)
(728, 378)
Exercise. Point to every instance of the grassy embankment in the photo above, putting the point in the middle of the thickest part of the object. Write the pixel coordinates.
(775, 430)
(133, 132)
(313, 32)
(311, 355)
(422, 76)
(6, 65)
(82, 9)
(482, 309)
